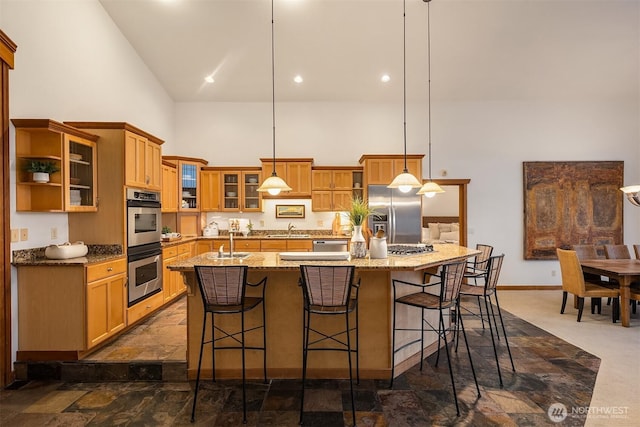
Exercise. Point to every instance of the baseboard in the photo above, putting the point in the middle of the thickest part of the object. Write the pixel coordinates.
(529, 287)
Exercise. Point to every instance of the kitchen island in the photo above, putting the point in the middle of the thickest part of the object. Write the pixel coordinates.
(284, 315)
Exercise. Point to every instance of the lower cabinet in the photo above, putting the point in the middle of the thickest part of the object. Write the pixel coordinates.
(70, 309)
(106, 300)
(172, 284)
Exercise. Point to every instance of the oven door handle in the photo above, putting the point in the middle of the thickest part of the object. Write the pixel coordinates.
(138, 257)
(143, 204)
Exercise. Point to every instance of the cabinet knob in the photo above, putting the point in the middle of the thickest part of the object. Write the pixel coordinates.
(109, 269)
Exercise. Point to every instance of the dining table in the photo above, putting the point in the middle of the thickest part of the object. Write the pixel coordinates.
(624, 271)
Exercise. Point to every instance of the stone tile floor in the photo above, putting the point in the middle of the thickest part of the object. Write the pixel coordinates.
(549, 370)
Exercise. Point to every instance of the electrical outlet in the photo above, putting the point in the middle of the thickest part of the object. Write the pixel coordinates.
(320, 223)
(553, 273)
(54, 233)
(262, 223)
(15, 235)
(24, 234)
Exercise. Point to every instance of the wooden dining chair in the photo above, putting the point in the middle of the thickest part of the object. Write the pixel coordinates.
(591, 252)
(636, 249)
(617, 252)
(573, 282)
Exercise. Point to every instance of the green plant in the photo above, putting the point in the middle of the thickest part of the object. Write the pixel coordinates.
(166, 230)
(36, 166)
(360, 210)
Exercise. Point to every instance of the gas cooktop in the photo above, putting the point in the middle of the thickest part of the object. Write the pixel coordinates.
(397, 249)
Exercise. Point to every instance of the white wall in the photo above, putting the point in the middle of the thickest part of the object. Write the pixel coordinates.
(562, 84)
(72, 63)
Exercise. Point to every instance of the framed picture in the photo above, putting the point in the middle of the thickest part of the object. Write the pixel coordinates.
(289, 211)
(571, 203)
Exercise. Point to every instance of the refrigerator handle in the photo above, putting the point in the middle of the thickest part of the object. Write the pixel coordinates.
(392, 224)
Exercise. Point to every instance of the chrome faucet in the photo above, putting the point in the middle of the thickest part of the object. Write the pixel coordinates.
(231, 243)
(290, 227)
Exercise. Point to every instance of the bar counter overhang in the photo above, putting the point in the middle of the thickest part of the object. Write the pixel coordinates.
(284, 302)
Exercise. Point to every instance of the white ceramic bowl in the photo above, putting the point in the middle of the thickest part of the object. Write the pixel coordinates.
(231, 194)
(66, 250)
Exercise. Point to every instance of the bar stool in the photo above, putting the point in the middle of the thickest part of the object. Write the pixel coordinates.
(494, 265)
(223, 292)
(451, 276)
(477, 269)
(329, 291)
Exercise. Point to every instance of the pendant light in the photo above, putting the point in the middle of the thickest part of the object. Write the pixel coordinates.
(633, 194)
(430, 188)
(274, 184)
(405, 181)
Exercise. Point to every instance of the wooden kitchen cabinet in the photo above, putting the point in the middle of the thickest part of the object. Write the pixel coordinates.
(383, 168)
(143, 162)
(333, 187)
(108, 224)
(210, 190)
(66, 310)
(295, 171)
(231, 189)
(106, 300)
(169, 197)
(73, 188)
(172, 284)
(240, 245)
(188, 181)
(281, 245)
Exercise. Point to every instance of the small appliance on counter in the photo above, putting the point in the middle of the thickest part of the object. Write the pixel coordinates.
(211, 230)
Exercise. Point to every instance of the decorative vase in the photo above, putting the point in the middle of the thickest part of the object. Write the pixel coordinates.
(358, 243)
(378, 248)
(41, 177)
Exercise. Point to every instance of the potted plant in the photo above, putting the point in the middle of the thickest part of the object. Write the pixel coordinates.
(41, 170)
(358, 212)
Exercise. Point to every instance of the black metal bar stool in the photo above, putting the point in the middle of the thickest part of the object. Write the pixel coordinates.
(494, 265)
(329, 291)
(477, 269)
(223, 292)
(451, 276)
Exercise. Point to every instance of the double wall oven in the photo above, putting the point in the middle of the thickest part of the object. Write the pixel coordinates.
(144, 251)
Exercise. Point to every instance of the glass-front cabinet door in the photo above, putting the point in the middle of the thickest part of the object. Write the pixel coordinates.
(251, 200)
(231, 190)
(79, 172)
(189, 186)
(240, 190)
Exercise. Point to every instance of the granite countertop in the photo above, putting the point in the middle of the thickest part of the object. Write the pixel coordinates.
(95, 254)
(239, 237)
(272, 261)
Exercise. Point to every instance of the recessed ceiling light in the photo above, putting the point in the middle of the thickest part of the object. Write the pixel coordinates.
(298, 79)
(385, 78)
(209, 78)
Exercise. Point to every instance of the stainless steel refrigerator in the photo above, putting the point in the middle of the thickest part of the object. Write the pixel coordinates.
(400, 213)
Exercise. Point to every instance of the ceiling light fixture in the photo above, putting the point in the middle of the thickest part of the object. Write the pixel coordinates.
(405, 181)
(430, 188)
(274, 184)
(633, 194)
(298, 79)
(385, 78)
(209, 78)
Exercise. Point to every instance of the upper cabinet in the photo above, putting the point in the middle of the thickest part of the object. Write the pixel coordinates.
(143, 167)
(231, 189)
(295, 172)
(333, 187)
(188, 170)
(169, 196)
(383, 168)
(70, 152)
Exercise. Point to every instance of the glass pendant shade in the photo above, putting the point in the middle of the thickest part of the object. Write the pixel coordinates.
(430, 189)
(633, 194)
(274, 185)
(405, 182)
